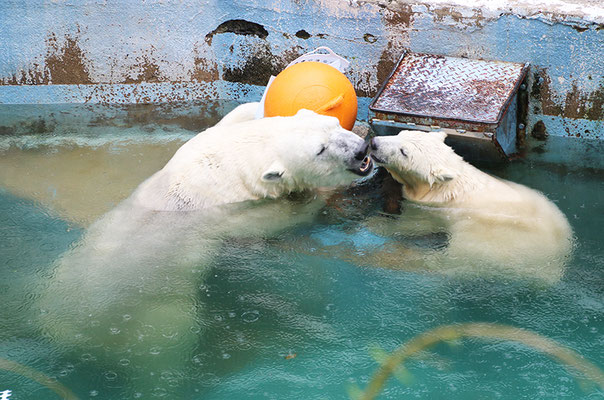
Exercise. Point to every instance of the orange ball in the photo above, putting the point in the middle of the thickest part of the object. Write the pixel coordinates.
(314, 86)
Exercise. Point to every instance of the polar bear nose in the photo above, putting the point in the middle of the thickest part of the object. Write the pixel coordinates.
(362, 151)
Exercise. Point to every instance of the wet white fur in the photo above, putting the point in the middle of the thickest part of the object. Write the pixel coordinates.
(263, 158)
(146, 258)
(492, 223)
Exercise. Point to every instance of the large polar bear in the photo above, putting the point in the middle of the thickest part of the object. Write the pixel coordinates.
(129, 286)
(492, 225)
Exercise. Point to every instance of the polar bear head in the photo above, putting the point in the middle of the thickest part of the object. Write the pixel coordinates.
(309, 150)
(252, 159)
(418, 160)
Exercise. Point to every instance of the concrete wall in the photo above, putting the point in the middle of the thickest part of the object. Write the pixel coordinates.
(132, 51)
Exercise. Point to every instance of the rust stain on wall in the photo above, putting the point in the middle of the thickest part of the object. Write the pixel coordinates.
(442, 13)
(64, 63)
(204, 70)
(145, 69)
(397, 23)
(584, 105)
(576, 104)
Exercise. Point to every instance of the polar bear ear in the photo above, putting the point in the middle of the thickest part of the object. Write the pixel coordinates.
(274, 173)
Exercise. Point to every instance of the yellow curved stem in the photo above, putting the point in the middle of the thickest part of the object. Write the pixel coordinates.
(567, 357)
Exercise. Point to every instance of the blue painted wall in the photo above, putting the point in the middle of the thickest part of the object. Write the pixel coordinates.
(131, 51)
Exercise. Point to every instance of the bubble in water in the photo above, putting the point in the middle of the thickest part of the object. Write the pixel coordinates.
(250, 316)
(93, 393)
(110, 375)
(226, 356)
(244, 346)
(197, 359)
(126, 317)
(209, 379)
(155, 350)
(169, 335)
(159, 392)
(114, 330)
(124, 362)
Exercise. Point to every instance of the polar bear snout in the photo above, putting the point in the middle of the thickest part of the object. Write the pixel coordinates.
(361, 153)
(376, 154)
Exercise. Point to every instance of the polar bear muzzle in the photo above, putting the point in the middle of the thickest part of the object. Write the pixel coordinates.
(364, 168)
(363, 163)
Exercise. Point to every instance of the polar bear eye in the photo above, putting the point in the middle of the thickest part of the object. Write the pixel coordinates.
(322, 150)
(403, 152)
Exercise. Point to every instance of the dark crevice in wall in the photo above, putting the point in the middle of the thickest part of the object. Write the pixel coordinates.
(302, 34)
(239, 27)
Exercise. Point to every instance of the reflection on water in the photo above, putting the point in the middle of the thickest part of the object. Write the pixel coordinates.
(261, 299)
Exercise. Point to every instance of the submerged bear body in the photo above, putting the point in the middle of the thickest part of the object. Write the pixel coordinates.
(492, 224)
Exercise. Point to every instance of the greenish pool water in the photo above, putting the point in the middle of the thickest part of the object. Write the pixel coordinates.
(277, 317)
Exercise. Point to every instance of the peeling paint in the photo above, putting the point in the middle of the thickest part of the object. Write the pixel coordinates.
(576, 104)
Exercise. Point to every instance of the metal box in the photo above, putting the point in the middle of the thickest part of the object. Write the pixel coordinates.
(480, 104)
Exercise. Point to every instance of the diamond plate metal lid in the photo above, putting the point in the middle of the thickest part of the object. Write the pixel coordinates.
(442, 87)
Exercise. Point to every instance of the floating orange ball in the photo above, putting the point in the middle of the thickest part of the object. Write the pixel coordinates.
(314, 86)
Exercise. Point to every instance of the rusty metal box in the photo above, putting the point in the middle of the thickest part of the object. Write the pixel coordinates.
(480, 104)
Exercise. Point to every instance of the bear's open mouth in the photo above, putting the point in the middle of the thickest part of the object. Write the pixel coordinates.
(365, 168)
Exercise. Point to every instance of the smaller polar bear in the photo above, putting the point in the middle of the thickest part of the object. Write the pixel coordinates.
(492, 225)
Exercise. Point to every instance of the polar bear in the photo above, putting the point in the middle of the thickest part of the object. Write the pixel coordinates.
(492, 225)
(129, 286)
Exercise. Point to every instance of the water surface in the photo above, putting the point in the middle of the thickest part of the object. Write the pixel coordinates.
(277, 317)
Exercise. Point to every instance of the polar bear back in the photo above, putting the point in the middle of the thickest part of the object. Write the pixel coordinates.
(225, 163)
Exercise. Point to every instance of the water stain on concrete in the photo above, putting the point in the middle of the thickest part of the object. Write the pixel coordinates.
(539, 131)
(37, 126)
